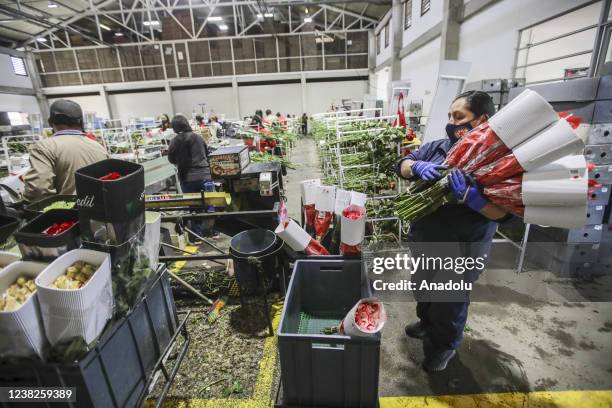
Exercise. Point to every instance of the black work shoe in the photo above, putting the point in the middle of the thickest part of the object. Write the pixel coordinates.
(438, 360)
(415, 329)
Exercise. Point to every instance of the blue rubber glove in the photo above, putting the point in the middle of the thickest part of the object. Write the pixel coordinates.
(466, 192)
(428, 171)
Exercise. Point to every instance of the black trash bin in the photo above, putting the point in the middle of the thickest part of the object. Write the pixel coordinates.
(261, 244)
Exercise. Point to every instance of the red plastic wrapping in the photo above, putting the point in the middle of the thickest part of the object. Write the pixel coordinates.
(476, 149)
(315, 248)
(322, 222)
(507, 194)
(113, 175)
(309, 215)
(58, 228)
(500, 170)
(574, 121)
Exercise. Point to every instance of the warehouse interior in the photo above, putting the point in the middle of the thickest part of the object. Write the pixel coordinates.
(227, 185)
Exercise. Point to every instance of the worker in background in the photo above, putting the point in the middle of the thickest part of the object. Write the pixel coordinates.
(270, 117)
(257, 120)
(281, 119)
(304, 124)
(164, 122)
(465, 229)
(190, 155)
(54, 160)
(214, 127)
(200, 121)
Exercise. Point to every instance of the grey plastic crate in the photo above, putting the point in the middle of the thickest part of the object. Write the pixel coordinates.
(600, 134)
(319, 370)
(595, 213)
(600, 195)
(565, 252)
(602, 174)
(598, 153)
(587, 234)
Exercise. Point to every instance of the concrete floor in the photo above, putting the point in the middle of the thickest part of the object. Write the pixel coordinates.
(531, 336)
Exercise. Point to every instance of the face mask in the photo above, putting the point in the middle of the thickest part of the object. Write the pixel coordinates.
(454, 132)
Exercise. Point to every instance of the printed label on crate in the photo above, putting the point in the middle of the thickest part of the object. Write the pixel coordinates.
(87, 201)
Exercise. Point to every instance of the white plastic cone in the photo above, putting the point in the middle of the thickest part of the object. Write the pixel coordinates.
(556, 216)
(523, 117)
(293, 235)
(551, 144)
(353, 231)
(561, 183)
(308, 189)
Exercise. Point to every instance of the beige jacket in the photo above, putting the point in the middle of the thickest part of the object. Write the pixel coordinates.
(53, 162)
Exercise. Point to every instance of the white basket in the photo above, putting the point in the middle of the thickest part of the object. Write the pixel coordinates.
(21, 331)
(82, 312)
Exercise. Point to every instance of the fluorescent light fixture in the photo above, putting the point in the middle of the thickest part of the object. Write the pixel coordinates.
(223, 27)
(18, 66)
(269, 15)
(215, 18)
(259, 15)
(118, 34)
(308, 19)
(41, 39)
(151, 23)
(107, 28)
(52, 5)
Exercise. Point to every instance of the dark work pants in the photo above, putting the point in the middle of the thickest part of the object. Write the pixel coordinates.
(444, 322)
(202, 228)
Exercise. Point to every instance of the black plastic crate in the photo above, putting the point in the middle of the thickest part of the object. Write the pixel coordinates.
(319, 370)
(116, 371)
(36, 246)
(110, 211)
(36, 208)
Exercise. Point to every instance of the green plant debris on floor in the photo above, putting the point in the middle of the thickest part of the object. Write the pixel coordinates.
(223, 357)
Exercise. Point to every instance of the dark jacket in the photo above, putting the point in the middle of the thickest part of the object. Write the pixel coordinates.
(189, 153)
(451, 223)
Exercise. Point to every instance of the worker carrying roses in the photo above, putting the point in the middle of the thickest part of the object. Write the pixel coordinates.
(468, 227)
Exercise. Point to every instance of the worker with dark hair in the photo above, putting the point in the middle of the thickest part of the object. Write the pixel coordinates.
(281, 119)
(257, 119)
(54, 160)
(304, 124)
(270, 117)
(200, 121)
(462, 228)
(164, 122)
(189, 153)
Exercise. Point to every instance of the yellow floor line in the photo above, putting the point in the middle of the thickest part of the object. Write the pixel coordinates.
(178, 265)
(536, 399)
